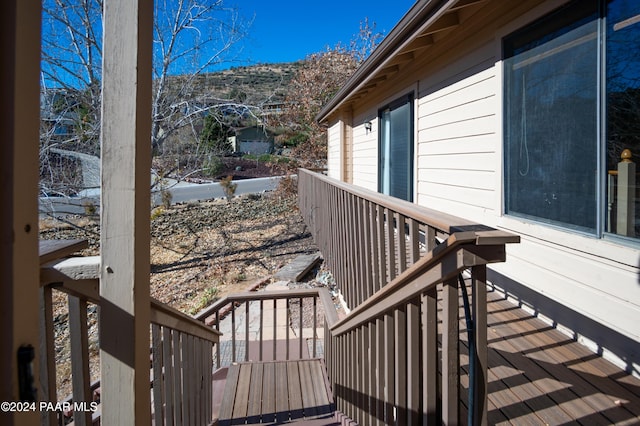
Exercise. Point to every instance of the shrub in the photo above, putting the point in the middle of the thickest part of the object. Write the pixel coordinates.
(228, 187)
(212, 166)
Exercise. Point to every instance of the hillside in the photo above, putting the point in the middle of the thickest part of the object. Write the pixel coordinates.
(254, 84)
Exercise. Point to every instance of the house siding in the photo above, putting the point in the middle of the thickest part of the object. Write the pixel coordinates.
(334, 150)
(457, 159)
(458, 130)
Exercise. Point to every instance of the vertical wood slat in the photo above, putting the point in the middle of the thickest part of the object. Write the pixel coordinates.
(218, 360)
(260, 356)
(47, 355)
(400, 366)
(246, 331)
(390, 247)
(382, 253)
(413, 362)
(157, 359)
(186, 379)
(287, 327)
(450, 354)
(361, 373)
(233, 335)
(401, 243)
(177, 378)
(315, 326)
(429, 357)
(301, 340)
(366, 375)
(389, 364)
(414, 241)
(78, 333)
(479, 302)
(380, 367)
(275, 336)
(168, 374)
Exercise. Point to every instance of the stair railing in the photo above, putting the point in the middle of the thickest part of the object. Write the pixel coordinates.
(395, 359)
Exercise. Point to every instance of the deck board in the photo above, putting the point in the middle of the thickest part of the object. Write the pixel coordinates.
(539, 375)
(290, 391)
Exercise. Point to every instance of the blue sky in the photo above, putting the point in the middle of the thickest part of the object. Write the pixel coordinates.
(286, 31)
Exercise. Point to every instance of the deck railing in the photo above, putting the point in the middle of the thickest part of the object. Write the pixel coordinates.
(270, 325)
(181, 351)
(390, 260)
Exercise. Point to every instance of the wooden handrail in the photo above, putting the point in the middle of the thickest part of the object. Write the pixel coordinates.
(166, 316)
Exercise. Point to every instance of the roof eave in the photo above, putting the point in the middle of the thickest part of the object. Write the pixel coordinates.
(417, 19)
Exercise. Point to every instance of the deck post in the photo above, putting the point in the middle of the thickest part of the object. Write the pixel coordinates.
(626, 223)
(126, 162)
(20, 108)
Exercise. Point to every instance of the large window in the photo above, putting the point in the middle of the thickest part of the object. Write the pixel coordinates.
(395, 173)
(572, 105)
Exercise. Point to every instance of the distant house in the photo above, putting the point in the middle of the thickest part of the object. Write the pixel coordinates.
(253, 140)
(515, 115)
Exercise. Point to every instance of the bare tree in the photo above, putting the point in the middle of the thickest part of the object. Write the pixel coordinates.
(191, 37)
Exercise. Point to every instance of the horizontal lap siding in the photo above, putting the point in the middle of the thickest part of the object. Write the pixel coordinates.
(365, 153)
(457, 159)
(334, 162)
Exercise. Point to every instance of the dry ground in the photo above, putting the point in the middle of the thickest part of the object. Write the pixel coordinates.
(199, 252)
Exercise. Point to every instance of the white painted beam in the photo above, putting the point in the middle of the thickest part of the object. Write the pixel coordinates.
(126, 163)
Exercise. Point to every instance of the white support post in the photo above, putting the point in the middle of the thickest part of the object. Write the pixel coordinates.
(126, 162)
(626, 200)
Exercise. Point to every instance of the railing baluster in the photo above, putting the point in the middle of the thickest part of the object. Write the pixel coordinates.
(275, 335)
(315, 324)
(366, 373)
(391, 250)
(380, 367)
(287, 327)
(47, 355)
(479, 302)
(413, 361)
(401, 243)
(157, 357)
(389, 366)
(382, 253)
(79, 357)
(401, 366)
(301, 330)
(246, 331)
(177, 382)
(186, 379)
(429, 356)
(450, 353)
(168, 374)
(218, 360)
(233, 334)
(261, 328)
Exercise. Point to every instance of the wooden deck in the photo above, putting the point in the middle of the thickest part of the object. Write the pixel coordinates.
(538, 375)
(277, 392)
